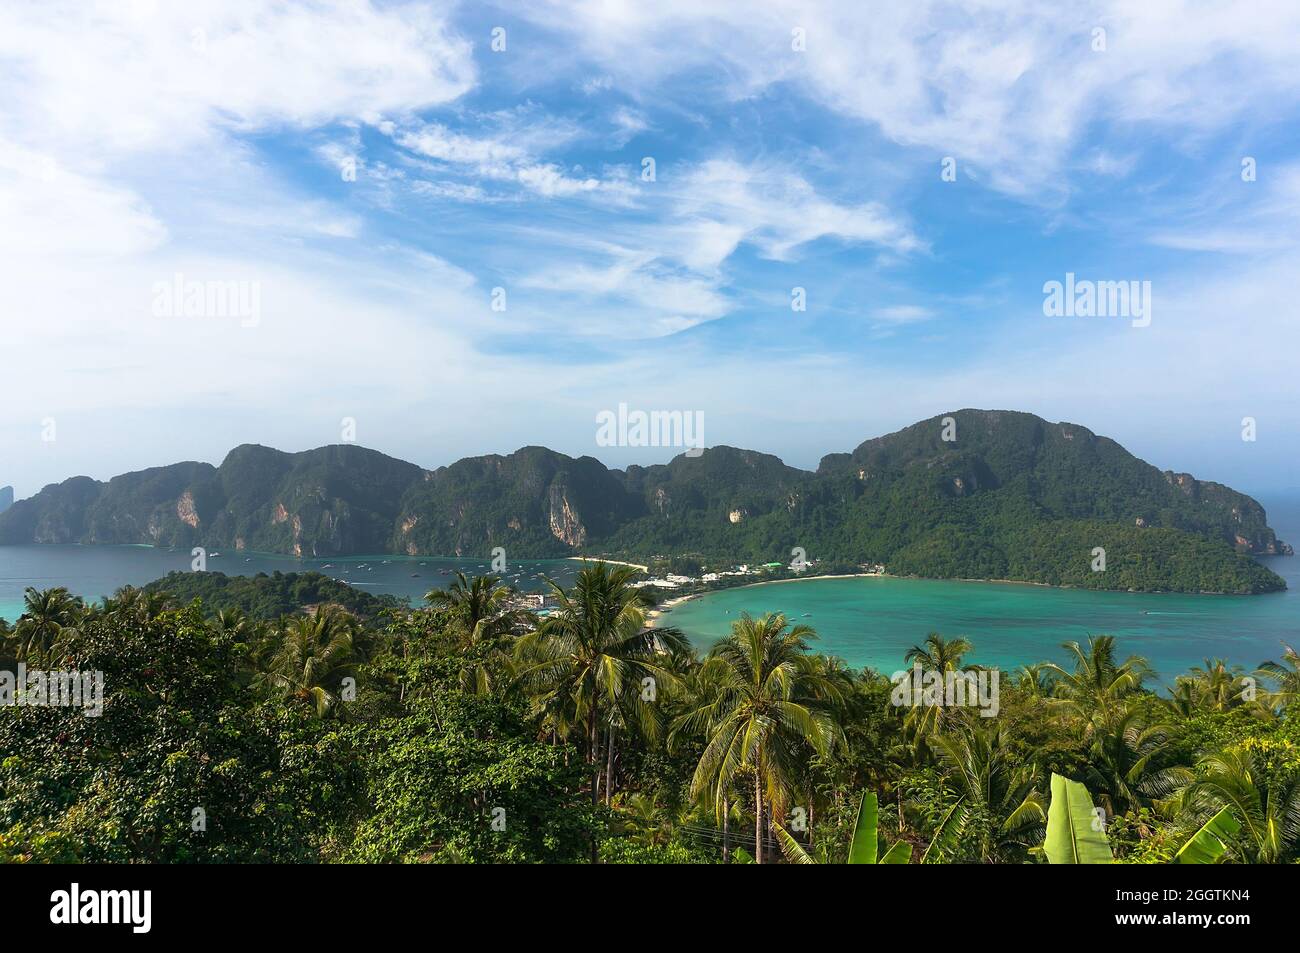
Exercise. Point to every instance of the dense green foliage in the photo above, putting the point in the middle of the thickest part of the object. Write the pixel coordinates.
(266, 598)
(465, 732)
(973, 494)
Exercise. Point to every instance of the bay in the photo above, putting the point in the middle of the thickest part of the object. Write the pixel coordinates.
(866, 621)
(93, 572)
(873, 621)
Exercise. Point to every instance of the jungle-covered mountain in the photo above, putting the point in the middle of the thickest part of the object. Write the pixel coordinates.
(971, 494)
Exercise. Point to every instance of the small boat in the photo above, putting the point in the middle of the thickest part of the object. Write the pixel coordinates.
(415, 575)
(213, 555)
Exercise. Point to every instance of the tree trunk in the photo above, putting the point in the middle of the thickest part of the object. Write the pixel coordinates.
(595, 777)
(609, 766)
(758, 816)
(726, 832)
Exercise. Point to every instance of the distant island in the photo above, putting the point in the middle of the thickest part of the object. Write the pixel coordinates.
(266, 597)
(971, 494)
(6, 497)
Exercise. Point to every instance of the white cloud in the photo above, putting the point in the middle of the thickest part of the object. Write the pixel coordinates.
(628, 123)
(126, 77)
(902, 314)
(1241, 218)
(49, 210)
(1009, 86)
(663, 301)
(666, 276)
(723, 202)
(499, 157)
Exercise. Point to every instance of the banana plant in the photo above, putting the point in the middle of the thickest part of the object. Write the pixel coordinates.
(1074, 830)
(1074, 835)
(863, 848)
(1207, 845)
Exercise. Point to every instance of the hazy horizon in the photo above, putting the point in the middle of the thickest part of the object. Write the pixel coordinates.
(639, 456)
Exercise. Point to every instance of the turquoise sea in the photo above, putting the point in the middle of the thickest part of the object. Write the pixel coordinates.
(96, 571)
(873, 621)
(865, 621)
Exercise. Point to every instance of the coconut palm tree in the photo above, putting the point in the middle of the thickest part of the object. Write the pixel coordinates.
(942, 657)
(1265, 800)
(1035, 680)
(938, 654)
(255, 646)
(595, 652)
(45, 617)
(1128, 758)
(479, 605)
(1214, 687)
(314, 657)
(480, 614)
(998, 809)
(1097, 681)
(1284, 675)
(232, 622)
(132, 602)
(765, 707)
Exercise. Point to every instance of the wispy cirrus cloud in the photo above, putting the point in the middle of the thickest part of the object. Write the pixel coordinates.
(1009, 87)
(148, 75)
(382, 173)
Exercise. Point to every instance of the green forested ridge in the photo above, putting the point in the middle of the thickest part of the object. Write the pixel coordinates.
(268, 597)
(465, 732)
(1011, 497)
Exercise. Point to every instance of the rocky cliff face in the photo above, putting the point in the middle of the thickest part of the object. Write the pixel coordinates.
(322, 502)
(928, 489)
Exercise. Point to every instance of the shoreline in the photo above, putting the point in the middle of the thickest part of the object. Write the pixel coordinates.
(659, 611)
(601, 559)
(655, 614)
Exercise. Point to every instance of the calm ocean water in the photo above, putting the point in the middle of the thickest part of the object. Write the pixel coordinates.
(874, 621)
(864, 621)
(96, 571)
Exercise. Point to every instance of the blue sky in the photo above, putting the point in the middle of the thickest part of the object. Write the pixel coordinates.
(212, 141)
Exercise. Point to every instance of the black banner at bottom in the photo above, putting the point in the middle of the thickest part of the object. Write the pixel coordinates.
(331, 903)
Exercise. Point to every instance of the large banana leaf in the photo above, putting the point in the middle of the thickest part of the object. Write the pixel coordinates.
(793, 850)
(1071, 835)
(863, 848)
(1207, 846)
(900, 853)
